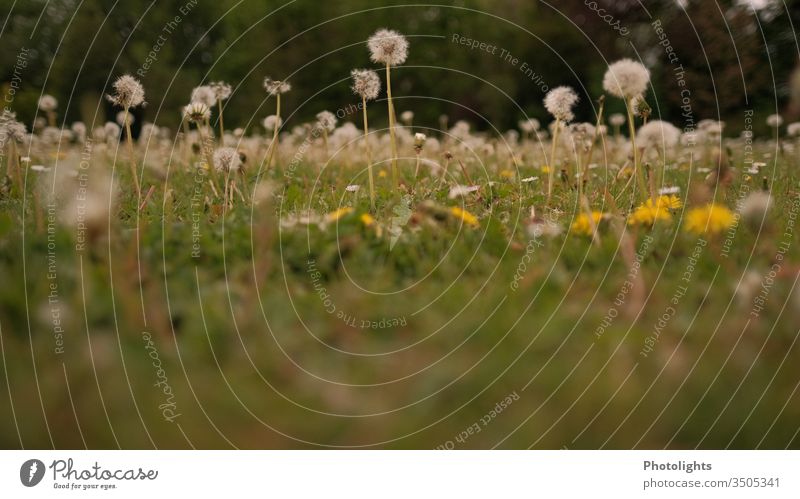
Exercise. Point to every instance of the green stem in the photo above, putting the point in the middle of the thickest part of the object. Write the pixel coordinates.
(129, 141)
(369, 155)
(395, 180)
(552, 165)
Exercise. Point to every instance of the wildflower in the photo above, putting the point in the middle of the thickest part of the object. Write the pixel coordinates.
(271, 122)
(326, 120)
(648, 213)
(559, 102)
(124, 118)
(352, 188)
(338, 214)
(128, 92)
(529, 126)
(774, 120)
(793, 129)
(616, 119)
(582, 226)
(755, 207)
(204, 94)
(712, 219)
(669, 190)
(465, 216)
(626, 79)
(419, 140)
(197, 112)
(367, 220)
(462, 190)
(506, 173)
(276, 87)
(527, 180)
(227, 159)
(388, 47)
(366, 83)
(382, 174)
(221, 90)
(48, 103)
(659, 134)
(407, 117)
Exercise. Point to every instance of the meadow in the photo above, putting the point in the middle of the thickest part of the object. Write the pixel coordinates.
(352, 284)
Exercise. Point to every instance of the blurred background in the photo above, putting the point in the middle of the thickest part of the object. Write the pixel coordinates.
(736, 55)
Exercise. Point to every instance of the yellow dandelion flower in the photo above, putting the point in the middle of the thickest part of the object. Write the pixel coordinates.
(709, 219)
(507, 174)
(367, 220)
(648, 214)
(670, 202)
(545, 169)
(465, 216)
(582, 226)
(336, 215)
(382, 174)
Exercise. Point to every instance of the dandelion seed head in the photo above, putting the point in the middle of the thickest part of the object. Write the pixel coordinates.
(559, 102)
(658, 134)
(326, 120)
(221, 90)
(793, 129)
(774, 120)
(204, 94)
(419, 140)
(626, 79)
(111, 130)
(271, 122)
(407, 116)
(276, 87)
(388, 47)
(122, 117)
(617, 119)
(128, 92)
(47, 103)
(197, 112)
(366, 83)
(755, 207)
(227, 159)
(529, 125)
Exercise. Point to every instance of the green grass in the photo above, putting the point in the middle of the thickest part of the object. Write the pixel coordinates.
(256, 359)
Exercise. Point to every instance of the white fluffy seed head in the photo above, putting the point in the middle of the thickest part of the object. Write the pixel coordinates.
(617, 119)
(326, 120)
(204, 94)
(626, 79)
(271, 122)
(529, 125)
(275, 87)
(227, 159)
(559, 102)
(366, 83)
(128, 92)
(407, 117)
(774, 120)
(419, 140)
(122, 117)
(47, 103)
(658, 134)
(755, 207)
(221, 90)
(198, 112)
(793, 129)
(389, 47)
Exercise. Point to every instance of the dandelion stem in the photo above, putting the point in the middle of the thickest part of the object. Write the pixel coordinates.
(129, 141)
(395, 181)
(369, 154)
(221, 126)
(636, 170)
(552, 165)
(274, 143)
